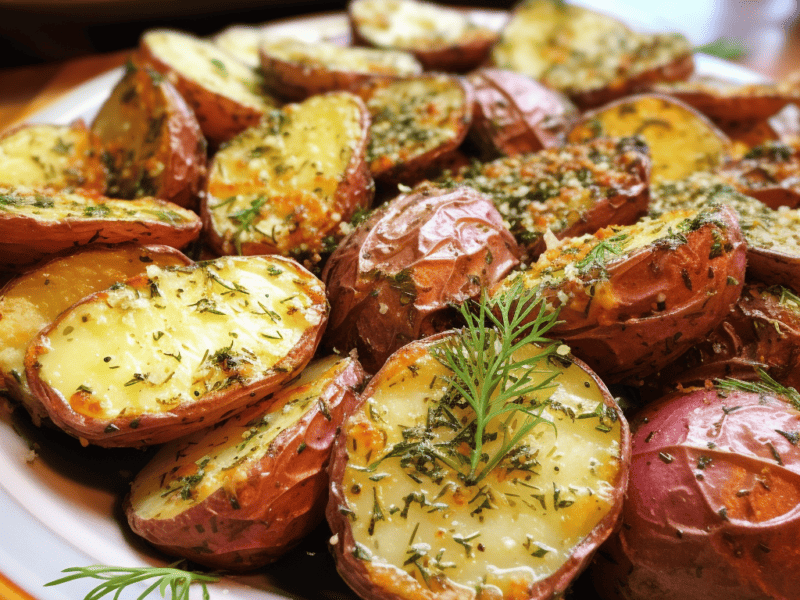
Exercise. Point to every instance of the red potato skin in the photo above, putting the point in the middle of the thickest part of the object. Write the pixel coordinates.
(713, 507)
(773, 267)
(441, 241)
(150, 429)
(513, 114)
(369, 580)
(280, 501)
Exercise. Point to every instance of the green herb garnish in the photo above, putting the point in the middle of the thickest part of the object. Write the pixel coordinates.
(767, 386)
(724, 47)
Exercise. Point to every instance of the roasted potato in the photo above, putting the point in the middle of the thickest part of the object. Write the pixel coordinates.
(395, 278)
(57, 157)
(288, 185)
(239, 494)
(711, 509)
(168, 352)
(770, 173)
(681, 140)
(36, 223)
(241, 42)
(633, 298)
(410, 519)
(417, 125)
(295, 70)
(442, 38)
(225, 95)
(152, 143)
(513, 114)
(568, 191)
(33, 300)
(587, 55)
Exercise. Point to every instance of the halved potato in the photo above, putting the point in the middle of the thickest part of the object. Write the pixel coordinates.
(152, 143)
(33, 300)
(226, 95)
(681, 140)
(240, 494)
(287, 185)
(36, 223)
(396, 277)
(514, 114)
(241, 42)
(591, 57)
(770, 173)
(58, 157)
(569, 191)
(408, 523)
(295, 70)
(633, 298)
(712, 511)
(166, 353)
(416, 123)
(442, 38)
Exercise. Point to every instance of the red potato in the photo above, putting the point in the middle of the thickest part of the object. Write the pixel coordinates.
(514, 114)
(168, 352)
(152, 142)
(634, 298)
(395, 278)
(240, 494)
(440, 37)
(225, 95)
(713, 506)
(770, 173)
(57, 157)
(34, 299)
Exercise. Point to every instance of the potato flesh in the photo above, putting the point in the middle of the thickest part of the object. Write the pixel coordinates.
(522, 538)
(339, 58)
(287, 171)
(226, 452)
(172, 348)
(206, 64)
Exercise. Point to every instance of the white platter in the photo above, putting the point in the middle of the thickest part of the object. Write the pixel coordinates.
(62, 509)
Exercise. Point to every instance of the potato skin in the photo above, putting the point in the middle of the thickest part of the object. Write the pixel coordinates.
(280, 499)
(712, 507)
(393, 279)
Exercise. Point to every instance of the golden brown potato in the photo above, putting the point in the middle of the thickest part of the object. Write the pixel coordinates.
(770, 173)
(568, 191)
(681, 140)
(33, 300)
(442, 38)
(587, 55)
(295, 70)
(288, 185)
(396, 277)
(58, 157)
(240, 494)
(225, 95)
(168, 352)
(152, 143)
(34, 224)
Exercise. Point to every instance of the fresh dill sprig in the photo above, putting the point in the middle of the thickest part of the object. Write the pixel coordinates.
(490, 377)
(767, 385)
(244, 220)
(116, 579)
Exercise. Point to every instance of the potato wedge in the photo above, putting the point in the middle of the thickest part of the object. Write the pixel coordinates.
(226, 96)
(240, 494)
(241, 42)
(295, 70)
(35, 223)
(152, 142)
(406, 522)
(711, 511)
(33, 300)
(569, 191)
(769, 173)
(591, 57)
(681, 140)
(442, 38)
(287, 185)
(416, 123)
(190, 346)
(633, 298)
(57, 157)
(396, 277)
(514, 114)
